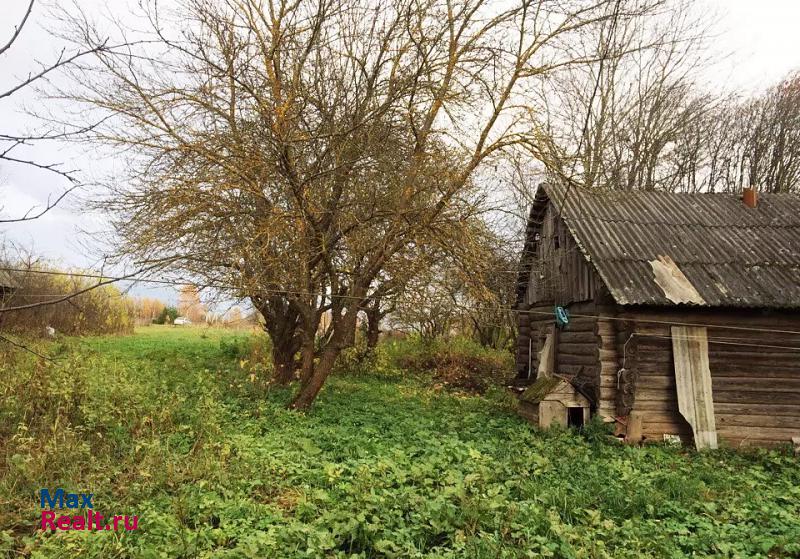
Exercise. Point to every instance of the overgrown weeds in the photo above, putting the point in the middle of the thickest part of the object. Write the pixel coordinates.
(169, 425)
(458, 364)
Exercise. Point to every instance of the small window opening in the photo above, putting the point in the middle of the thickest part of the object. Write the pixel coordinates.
(575, 417)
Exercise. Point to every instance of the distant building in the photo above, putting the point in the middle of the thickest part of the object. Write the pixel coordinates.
(677, 313)
(7, 284)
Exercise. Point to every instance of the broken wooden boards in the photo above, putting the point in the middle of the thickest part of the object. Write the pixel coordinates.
(693, 380)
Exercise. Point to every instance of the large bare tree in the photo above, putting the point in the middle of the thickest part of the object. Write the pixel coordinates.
(630, 121)
(298, 151)
(12, 141)
(764, 146)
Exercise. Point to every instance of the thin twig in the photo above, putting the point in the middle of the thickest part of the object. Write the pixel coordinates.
(26, 348)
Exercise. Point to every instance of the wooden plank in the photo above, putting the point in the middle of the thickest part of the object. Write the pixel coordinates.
(546, 357)
(671, 417)
(579, 337)
(776, 421)
(606, 410)
(605, 327)
(610, 369)
(659, 382)
(607, 355)
(756, 397)
(552, 413)
(643, 395)
(655, 344)
(738, 317)
(634, 428)
(748, 443)
(728, 421)
(584, 307)
(754, 353)
(573, 359)
(757, 409)
(654, 359)
(772, 433)
(566, 347)
(569, 400)
(693, 379)
(757, 385)
(651, 371)
(657, 405)
(608, 393)
(758, 369)
(608, 381)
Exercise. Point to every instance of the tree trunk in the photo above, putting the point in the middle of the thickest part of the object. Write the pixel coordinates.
(373, 329)
(320, 371)
(307, 356)
(315, 373)
(284, 363)
(281, 321)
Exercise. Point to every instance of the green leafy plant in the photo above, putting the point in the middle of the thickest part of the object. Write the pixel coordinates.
(168, 425)
(167, 316)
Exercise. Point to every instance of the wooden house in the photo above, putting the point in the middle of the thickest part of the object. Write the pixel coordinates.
(678, 312)
(7, 284)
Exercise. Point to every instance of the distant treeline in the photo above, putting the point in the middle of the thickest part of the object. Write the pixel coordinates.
(102, 310)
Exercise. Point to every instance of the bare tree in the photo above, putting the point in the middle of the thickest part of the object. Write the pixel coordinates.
(299, 150)
(734, 142)
(632, 120)
(375, 311)
(430, 305)
(11, 142)
(14, 310)
(766, 150)
(491, 294)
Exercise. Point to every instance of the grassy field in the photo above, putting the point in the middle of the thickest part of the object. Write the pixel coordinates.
(176, 426)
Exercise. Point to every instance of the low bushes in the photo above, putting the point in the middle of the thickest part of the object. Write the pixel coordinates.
(103, 310)
(458, 364)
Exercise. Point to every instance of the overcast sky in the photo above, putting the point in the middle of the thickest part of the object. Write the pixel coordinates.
(757, 44)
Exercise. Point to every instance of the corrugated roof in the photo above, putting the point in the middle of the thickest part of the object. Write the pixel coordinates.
(6, 280)
(733, 255)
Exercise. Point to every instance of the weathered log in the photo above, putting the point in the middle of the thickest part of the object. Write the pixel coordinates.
(755, 385)
(770, 433)
(581, 337)
(756, 370)
(752, 397)
(577, 348)
(772, 421)
(573, 359)
(757, 409)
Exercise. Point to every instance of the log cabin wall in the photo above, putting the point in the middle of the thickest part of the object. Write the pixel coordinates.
(756, 387)
(631, 240)
(578, 348)
(585, 349)
(523, 341)
(609, 362)
(533, 321)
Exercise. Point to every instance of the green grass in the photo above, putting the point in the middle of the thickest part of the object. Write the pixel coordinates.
(169, 424)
